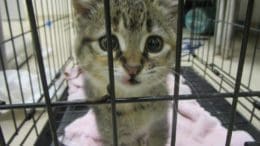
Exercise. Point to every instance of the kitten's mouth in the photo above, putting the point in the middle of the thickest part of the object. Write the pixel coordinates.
(133, 81)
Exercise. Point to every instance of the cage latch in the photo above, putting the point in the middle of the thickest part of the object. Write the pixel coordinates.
(2, 102)
(257, 105)
(252, 144)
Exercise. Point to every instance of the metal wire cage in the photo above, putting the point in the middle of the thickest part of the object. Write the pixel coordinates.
(219, 61)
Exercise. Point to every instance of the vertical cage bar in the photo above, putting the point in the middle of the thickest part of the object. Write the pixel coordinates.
(240, 68)
(2, 47)
(63, 30)
(225, 37)
(111, 86)
(216, 29)
(233, 45)
(54, 30)
(52, 76)
(199, 36)
(66, 29)
(221, 24)
(15, 53)
(51, 39)
(253, 61)
(46, 40)
(177, 69)
(38, 52)
(35, 63)
(192, 33)
(69, 29)
(8, 90)
(230, 27)
(2, 139)
(27, 65)
(60, 32)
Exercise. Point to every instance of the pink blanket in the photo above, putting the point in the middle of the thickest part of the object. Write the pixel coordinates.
(195, 126)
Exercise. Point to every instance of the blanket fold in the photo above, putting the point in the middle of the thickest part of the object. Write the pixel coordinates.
(195, 126)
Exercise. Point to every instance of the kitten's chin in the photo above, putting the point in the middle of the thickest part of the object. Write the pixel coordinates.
(130, 82)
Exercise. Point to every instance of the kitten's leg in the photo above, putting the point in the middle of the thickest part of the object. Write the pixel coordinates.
(158, 134)
(143, 141)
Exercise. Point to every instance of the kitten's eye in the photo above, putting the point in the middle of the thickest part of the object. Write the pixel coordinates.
(154, 44)
(103, 43)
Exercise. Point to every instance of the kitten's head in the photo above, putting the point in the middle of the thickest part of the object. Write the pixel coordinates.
(143, 40)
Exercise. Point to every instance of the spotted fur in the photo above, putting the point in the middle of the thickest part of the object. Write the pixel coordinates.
(133, 21)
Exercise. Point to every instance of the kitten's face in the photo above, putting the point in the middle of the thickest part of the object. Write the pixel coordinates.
(143, 40)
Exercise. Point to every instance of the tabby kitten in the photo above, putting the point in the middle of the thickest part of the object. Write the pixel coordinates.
(143, 41)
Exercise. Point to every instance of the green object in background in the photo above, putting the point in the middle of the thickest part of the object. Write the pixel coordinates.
(203, 20)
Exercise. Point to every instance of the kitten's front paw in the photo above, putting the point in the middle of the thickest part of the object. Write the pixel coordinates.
(143, 141)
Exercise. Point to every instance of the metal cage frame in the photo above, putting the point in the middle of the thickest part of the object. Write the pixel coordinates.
(49, 105)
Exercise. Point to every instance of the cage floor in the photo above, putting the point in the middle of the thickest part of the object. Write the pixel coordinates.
(218, 107)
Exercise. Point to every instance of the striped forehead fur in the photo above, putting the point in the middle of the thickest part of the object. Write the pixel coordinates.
(134, 13)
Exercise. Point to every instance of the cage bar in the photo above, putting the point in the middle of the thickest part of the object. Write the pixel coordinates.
(111, 86)
(42, 69)
(2, 139)
(240, 68)
(15, 54)
(136, 100)
(177, 70)
(203, 60)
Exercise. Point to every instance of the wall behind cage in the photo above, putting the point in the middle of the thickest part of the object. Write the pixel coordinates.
(242, 12)
(14, 11)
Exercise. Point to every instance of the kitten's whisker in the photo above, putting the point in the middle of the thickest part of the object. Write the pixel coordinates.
(170, 70)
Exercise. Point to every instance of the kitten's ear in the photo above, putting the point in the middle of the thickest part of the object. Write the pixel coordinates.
(170, 5)
(80, 7)
(169, 8)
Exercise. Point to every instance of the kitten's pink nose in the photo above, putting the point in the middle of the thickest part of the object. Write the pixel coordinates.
(132, 69)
